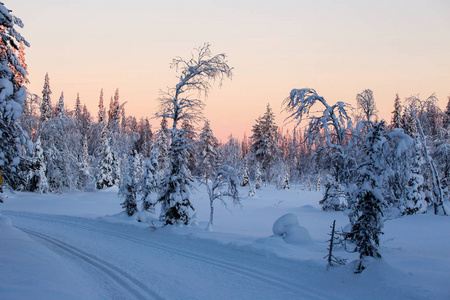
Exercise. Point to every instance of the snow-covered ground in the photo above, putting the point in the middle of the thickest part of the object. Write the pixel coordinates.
(81, 246)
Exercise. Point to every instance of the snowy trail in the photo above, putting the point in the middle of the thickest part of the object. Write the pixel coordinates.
(182, 268)
(121, 277)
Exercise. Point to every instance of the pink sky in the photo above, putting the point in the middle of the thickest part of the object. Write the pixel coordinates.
(338, 48)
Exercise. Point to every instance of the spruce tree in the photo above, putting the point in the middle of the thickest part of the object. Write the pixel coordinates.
(13, 139)
(46, 107)
(415, 196)
(77, 109)
(397, 113)
(37, 178)
(150, 181)
(60, 110)
(128, 190)
(105, 177)
(101, 109)
(245, 173)
(264, 144)
(367, 199)
(258, 179)
(207, 152)
(190, 135)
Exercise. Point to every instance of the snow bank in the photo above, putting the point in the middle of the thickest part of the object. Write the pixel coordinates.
(287, 226)
(31, 271)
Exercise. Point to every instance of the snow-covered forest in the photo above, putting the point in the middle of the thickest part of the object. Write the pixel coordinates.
(359, 168)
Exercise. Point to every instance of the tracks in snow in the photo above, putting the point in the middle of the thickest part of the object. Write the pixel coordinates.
(296, 289)
(134, 286)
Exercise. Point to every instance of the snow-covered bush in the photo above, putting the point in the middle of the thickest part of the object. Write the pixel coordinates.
(287, 226)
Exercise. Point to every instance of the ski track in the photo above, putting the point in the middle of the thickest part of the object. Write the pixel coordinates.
(294, 288)
(121, 277)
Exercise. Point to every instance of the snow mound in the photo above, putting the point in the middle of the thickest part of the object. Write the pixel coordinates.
(287, 226)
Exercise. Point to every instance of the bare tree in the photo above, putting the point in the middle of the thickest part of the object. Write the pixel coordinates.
(333, 123)
(365, 104)
(224, 185)
(196, 77)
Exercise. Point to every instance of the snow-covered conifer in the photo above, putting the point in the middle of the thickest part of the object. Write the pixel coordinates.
(128, 190)
(162, 145)
(368, 202)
(258, 179)
(331, 200)
(150, 181)
(46, 107)
(85, 169)
(60, 110)
(62, 145)
(207, 152)
(12, 96)
(397, 113)
(37, 179)
(190, 134)
(144, 144)
(415, 196)
(245, 173)
(101, 109)
(77, 109)
(176, 185)
(105, 177)
(264, 144)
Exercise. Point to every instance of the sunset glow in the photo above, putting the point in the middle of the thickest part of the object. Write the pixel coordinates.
(339, 48)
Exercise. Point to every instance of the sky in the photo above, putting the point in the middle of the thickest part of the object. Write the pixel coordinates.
(339, 48)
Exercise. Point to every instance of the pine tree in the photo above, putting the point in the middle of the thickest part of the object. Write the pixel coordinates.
(264, 145)
(397, 113)
(258, 179)
(77, 110)
(177, 184)
(85, 171)
(368, 202)
(207, 152)
(162, 146)
(85, 121)
(331, 200)
(150, 181)
(144, 144)
(190, 134)
(128, 190)
(12, 137)
(60, 110)
(245, 173)
(105, 177)
(415, 196)
(285, 184)
(46, 107)
(37, 179)
(101, 109)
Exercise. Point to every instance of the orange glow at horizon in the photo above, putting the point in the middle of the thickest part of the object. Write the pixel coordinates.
(339, 49)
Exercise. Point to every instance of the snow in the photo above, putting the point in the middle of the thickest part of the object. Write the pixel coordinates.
(32, 271)
(287, 226)
(83, 246)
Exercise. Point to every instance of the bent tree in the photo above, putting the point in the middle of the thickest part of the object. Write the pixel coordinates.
(178, 104)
